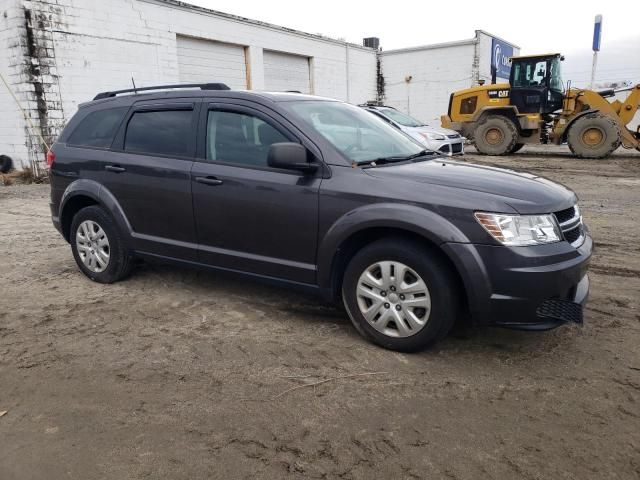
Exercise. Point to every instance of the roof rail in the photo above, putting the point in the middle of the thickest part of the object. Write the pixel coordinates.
(201, 86)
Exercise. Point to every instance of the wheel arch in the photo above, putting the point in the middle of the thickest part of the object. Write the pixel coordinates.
(348, 236)
(83, 193)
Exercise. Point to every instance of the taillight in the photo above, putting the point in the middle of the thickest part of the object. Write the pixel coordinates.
(51, 157)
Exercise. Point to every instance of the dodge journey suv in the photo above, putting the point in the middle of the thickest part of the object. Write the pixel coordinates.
(319, 194)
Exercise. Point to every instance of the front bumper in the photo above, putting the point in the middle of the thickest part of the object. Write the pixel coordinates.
(528, 288)
(449, 146)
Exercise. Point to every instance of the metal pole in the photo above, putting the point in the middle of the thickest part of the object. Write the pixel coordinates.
(593, 69)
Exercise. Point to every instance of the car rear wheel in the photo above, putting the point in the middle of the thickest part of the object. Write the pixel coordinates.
(400, 295)
(97, 246)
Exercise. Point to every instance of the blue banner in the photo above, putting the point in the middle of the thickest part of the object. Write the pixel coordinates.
(597, 33)
(501, 52)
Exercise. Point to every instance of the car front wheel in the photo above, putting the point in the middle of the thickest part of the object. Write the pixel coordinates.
(400, 294)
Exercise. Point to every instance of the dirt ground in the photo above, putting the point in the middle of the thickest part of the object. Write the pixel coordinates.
(180, 374)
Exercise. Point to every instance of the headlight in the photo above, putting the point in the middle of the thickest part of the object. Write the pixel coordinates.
(519, 230)
(433, 136)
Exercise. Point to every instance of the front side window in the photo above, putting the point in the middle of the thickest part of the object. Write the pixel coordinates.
(98, 128)
(165, 132)
(401, 118)
(358, 135)
(240, 138)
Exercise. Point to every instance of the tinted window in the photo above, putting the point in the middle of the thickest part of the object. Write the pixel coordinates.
(98, 128)
(240, 138)
(164, 132)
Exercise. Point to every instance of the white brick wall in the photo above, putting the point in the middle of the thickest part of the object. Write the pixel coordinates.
(13, 140)
(88, 47)
(436, 71)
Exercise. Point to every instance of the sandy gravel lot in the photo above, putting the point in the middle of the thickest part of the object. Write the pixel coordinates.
(179, 374)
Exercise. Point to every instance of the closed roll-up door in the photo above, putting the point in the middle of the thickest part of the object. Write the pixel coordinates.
(206, 61)
(283, 71)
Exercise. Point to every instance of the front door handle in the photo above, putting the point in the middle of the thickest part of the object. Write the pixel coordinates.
(208, 180)
(115, 168)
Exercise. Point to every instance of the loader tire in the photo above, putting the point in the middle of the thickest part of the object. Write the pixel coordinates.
(517, 147)
(6, 163)
(594, 135)
(495, 135)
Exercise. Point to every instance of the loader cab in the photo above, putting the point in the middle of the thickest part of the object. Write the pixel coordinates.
(536, 83)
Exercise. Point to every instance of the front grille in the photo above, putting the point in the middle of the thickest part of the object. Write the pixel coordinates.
(453, 136)
(573, 234)
(564, 215)
(456, 147)
(560, 310)
(570, 222)
(444, 149)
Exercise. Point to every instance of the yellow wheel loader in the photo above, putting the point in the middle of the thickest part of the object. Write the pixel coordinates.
(534, 107)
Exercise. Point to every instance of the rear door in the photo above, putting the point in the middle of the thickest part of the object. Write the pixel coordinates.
(251, 217)
(149, 174)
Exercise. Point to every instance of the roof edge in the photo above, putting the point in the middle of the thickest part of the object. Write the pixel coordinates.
(237, 18)
(456, 43)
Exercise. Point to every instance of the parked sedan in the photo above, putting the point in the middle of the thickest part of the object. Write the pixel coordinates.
(440, 139)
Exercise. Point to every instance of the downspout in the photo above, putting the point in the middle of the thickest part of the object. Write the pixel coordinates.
(475, 66)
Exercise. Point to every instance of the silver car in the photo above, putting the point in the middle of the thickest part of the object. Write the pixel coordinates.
(440, 139)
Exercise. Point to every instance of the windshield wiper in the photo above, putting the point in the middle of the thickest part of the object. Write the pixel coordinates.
(394, 159)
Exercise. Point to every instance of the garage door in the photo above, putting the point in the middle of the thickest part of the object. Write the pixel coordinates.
(205, 61)
(283, 71)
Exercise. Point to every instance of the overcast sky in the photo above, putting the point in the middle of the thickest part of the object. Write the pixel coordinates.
(540, 27)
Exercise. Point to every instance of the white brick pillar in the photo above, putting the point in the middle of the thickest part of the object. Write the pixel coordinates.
(255, 67)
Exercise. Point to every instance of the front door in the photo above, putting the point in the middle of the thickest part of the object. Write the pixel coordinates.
(251, 217)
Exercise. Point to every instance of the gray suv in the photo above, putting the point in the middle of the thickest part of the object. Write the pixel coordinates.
(320, 195)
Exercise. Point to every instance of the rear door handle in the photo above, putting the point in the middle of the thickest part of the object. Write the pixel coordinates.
(208, 180)
(115, 168)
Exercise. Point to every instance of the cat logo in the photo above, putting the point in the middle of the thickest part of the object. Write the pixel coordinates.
(498, 93)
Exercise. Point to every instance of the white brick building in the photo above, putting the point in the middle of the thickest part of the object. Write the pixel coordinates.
(419, 80)
(59, 53)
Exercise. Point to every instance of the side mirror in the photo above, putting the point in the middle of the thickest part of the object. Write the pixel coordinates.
(291, 156)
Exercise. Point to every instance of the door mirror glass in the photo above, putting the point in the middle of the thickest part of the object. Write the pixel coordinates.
(291, 156)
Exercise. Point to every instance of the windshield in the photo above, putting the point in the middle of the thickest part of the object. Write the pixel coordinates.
(401, 118)
(358, 135)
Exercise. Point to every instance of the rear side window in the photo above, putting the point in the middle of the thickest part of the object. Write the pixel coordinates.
(165, 132)
(98, 128)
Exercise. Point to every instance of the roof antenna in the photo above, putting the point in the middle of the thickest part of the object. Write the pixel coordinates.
(134, 85)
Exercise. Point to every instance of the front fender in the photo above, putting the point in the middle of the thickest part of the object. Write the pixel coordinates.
(99, 194)
(411, 218)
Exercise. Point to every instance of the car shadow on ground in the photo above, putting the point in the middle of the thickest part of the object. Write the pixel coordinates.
(306, 308)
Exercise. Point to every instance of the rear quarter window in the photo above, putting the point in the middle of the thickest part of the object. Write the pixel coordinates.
(98, 128)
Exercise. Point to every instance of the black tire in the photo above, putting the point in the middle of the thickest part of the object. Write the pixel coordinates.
(517, 147)
(495, 135)
(430, 267)
(120, 262)
(593, 136)
(6, 164)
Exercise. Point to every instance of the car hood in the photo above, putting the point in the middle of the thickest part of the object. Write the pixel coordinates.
(524, 192)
